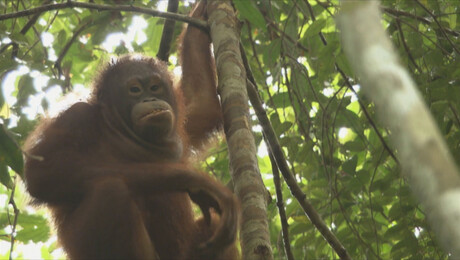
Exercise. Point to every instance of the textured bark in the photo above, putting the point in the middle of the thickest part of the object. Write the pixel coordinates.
(254, 234)
(422, 152)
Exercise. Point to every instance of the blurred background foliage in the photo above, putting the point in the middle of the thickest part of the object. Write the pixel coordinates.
(332, 140)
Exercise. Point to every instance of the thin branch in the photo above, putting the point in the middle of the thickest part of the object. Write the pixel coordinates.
(168, 32)
(347, 82)
(102, 7)
(304, 130)
(297, 44)
(297, 192)
(66, 48)
(364, 109)
(422, 150)
(407, 14)
(259, 64)
(313, 18)
(398, 13)
(15, 220)
(353, 228)
(371, 207)
(439, 25)
(23, 31)
(282, 212)
(454, 111)
(280, 159)
(403, 40)
(428, 38)
(26, 27)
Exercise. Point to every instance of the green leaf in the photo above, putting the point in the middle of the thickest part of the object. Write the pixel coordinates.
(23, 128)
(405, 248)
(247, 10)
(344, 65)
(349, 166)
(281, 100)
(354, 146)
(5, 64)
(104, 27)
(25, 90)
(153, 31)
(10, 152)
(272, 53)
(62, 36)
(315, 28)
(36, 228)
(298, 228)
(5, 177)
(19, 38)
(4, 217)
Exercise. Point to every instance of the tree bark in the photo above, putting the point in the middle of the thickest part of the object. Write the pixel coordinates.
(254, 234)
(422, 152)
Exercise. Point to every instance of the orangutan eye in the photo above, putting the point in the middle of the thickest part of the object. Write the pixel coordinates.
(154, 88)
(134, 90)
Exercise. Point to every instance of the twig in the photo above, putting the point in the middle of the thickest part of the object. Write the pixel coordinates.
(15, 220)
(23, 31)
(363, 107)
(67, 46)
(313, 18)
(439, 25)
(403, 40)
(454, 111)
(398, 13)
(101, 7)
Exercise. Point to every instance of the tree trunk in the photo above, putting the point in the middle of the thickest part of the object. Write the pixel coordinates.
(254, 234)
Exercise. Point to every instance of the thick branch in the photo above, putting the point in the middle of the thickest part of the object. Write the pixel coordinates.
(422, 152)
(249, 187)
(101, 7)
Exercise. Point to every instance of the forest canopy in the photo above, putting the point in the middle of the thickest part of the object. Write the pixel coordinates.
(330, 166)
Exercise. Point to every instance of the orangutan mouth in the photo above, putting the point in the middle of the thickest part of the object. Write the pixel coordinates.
(154, 113)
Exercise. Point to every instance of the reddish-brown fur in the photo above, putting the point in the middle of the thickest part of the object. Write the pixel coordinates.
(114, 195)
